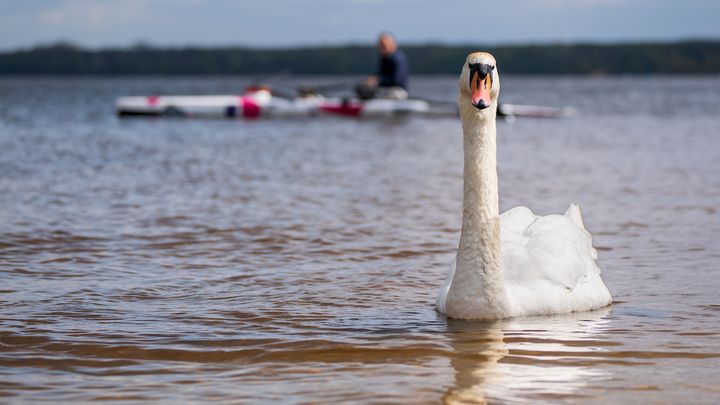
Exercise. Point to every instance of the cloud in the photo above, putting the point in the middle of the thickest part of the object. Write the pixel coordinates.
(95, 15)
(52, 17)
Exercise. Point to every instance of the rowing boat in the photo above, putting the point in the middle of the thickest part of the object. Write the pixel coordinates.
(260, 103)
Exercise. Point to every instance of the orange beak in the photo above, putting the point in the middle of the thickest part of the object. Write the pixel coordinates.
(480, 86)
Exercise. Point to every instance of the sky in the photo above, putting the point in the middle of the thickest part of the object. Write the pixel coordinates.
(283, 23)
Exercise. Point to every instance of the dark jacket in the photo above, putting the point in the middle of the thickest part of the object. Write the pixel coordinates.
(393, 71)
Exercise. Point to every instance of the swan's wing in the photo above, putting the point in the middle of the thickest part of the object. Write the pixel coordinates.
(550, 250)
(513, 222)
(515, 259)
(558, 250)
(573, 214)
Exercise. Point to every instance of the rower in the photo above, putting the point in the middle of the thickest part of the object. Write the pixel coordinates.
(392, 74)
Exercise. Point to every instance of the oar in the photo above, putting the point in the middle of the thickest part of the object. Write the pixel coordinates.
(510, 111)
(340, 85)
(303, 90)
(446, 107)
(435, 101)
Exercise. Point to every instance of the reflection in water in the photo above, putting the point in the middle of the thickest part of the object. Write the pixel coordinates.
(500, 360)
(479, 347)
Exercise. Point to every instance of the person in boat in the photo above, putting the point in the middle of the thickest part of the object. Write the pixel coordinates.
(391, 80)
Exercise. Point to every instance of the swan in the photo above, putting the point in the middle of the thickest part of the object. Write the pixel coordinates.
(517, 263)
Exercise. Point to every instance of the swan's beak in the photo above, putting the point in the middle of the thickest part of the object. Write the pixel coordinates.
(480, 84)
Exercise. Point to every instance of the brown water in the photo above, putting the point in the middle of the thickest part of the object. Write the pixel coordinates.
(298, 261)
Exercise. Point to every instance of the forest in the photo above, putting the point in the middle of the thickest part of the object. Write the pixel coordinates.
(688, 57)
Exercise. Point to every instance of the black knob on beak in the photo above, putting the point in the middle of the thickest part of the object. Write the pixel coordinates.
(481, 105)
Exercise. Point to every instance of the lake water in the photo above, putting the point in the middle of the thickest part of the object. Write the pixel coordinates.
(297, 261)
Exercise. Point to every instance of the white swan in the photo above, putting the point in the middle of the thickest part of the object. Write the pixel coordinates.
(517, 263)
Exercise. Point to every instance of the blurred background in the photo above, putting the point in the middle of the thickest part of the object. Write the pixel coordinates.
(337, 37)
(297, 260)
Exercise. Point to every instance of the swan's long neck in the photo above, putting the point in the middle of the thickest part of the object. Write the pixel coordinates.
(478, 284)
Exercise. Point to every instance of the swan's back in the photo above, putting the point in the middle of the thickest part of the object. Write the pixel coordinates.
(549, 263)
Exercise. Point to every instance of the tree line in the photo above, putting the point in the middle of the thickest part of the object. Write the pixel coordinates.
(688, 57)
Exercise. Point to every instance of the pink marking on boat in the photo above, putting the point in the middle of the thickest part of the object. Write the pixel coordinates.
(347, 109)
(152, 100)
(250, 109)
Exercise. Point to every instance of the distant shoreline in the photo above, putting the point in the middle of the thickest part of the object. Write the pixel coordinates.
(685, 57)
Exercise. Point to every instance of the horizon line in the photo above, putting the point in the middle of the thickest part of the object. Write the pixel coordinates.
(140, 44)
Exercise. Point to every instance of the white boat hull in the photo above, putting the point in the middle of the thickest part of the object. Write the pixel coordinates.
(255, 106)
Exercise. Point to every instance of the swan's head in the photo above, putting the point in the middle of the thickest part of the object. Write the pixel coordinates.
(479, 81)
